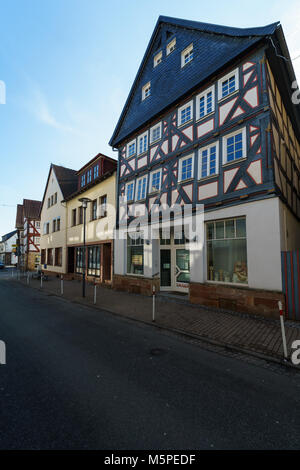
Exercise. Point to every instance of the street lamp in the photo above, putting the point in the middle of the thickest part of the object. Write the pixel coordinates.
(84, 201)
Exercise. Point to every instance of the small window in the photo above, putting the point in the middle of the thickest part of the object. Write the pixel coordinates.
(103, 206)
(73, 217)
(146, 91)
(228, 84)
(80, 215)
(96, 171)
(52, 200)
(185, 113)
(48, 202)
(94, 210)
(171, 46)
(58, 224)
(234, 146)
(58, 256)
(155, 133)
(55, 198)
(186, 168)
(131, 150)
(209, 160)
(155, 181)
(54, 225)
(157, 59)
(187, 55)
(205, 103)
(130, 191)
(141, 188)
(82, 180)
(143, 143)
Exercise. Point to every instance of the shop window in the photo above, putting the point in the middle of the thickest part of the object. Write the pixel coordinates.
(58, 256)
(135, 254)
(226, 242)
(94, 261)
(79, 260)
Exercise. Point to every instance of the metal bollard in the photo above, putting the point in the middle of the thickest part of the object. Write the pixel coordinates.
(153, 303)
(281, 312)
(41, 280)
(62, 285)
(27, 278)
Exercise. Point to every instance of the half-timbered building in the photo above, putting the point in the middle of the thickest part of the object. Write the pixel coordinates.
(28, 226)
(210, 120)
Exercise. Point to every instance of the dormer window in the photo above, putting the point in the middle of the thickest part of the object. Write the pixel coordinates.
(146, 90)
(171, 46)
(96, 171)
(157, 58)
(82, 180)
(89, 176)
(187, 55)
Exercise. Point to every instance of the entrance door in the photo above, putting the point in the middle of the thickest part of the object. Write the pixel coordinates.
(165, 269)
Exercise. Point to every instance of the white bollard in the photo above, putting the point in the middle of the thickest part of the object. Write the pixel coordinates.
(41, 280)
(95, 293)
(153, 303)
(62, 285)
(283, 330)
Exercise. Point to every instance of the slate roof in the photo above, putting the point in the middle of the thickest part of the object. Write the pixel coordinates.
(214, 47)
(19, 216)
(31, 209)
(67, 179)
(7, 236)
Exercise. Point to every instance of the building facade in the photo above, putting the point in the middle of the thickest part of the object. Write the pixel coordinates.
(97, 182)
(60, 184)
(28, 241)
(8, 248)
(209, 121)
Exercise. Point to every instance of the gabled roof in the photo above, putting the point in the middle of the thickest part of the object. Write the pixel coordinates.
(7, 236)
(214, 45)
(67, 179)
(89, 163)
(31, 209)
(19, 216)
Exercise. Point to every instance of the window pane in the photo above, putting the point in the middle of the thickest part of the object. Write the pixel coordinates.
(227, 261)
(220, 230)
(211, 231)
(241, 228)
(229, 229)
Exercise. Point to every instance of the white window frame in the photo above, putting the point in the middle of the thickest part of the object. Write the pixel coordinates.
(138, 143)
(180, 167)
(186, 105)
(233, 73)
(128, 145)
(137, 184)
(202, 149)
(171, 45)
(151, 130)
(157, 59)
(243, 130)
(187, 50)
(151, 189)
(144, 89)
(204, 94)
(133, 190)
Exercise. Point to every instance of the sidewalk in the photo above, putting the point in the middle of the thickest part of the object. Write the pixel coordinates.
(254, 335)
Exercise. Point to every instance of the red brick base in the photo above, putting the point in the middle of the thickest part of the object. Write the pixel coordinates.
(135, 284)
(258, 302)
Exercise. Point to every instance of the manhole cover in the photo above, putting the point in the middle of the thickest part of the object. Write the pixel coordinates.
(157, 352)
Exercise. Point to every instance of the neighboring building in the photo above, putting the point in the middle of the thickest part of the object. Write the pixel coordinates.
(8, 247)
(60, 184)
(210, 120)
(96, 181)
(28, 240)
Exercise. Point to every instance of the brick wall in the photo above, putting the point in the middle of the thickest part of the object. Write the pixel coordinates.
(135, 284)
(258, 302)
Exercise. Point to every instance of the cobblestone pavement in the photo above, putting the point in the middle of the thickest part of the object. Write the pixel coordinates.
(239, 332)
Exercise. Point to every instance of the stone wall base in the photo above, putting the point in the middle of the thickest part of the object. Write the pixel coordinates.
(135, 284)
(252, 301)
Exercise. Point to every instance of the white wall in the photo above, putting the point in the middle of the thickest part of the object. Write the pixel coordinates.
(263, 243)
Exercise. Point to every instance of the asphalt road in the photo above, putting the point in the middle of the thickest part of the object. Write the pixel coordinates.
(77, 378)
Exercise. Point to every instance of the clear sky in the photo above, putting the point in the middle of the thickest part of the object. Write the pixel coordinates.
(68, 66)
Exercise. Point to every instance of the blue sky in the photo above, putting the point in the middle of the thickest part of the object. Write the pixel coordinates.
(68, 66)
